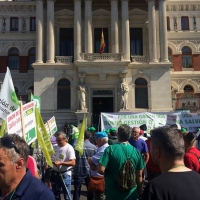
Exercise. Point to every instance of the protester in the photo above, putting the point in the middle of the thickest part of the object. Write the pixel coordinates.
(112, 161)
(74, 134)
(64, 160)
(101, 139)
(192, 154)
(15, 182)
(112, 138)
(92, 131)
(82, 168)
(152, 170)
(139, 143)
(176, 182)
(32, 166)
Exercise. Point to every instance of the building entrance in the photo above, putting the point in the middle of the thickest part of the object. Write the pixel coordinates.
(100, 104)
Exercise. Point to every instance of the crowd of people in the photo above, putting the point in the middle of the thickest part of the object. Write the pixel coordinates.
(133, 165)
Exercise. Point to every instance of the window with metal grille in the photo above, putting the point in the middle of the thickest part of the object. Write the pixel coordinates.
(13, 59)
(14, 24)
(66, 42)
(136, 41)
(184, 23)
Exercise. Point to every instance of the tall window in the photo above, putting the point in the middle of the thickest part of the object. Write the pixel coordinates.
(97, 39)
(141, 93)
(184, 23)
(13, 59)
(63, 94)
(66, 42)
(32, 24)
(168, 24)
(14, 24)
(136, 44)
(186, 57)
(170, 54)
(31, 57)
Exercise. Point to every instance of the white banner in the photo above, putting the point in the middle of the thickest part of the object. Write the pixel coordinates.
(51, 126)
(189, 120)
(8, 98)
(14, 122)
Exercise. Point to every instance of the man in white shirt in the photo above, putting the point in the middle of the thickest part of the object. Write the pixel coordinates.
(64, 159)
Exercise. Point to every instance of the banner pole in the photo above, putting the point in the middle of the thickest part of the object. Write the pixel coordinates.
(22, 120)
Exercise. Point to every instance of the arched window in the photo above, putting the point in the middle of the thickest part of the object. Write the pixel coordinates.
(63, 94)
(13, 59)
(186, 57)
(141, 93)
(188, 89)
(31, 57)
(170, 54)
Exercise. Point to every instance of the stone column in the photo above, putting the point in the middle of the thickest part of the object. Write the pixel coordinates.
(77, 29)
(198, 22)
(125, 28)
(178, 19)
(152, 31)
(39, 31)
(191, 27)
(171, 21)
(114, 26)
(88, 26)
(163, 31)
(50, 32)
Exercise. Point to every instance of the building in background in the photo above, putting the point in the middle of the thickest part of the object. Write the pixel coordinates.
(151, 59)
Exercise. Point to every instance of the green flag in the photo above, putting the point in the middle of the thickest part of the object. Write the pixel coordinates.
(80, 140)
(43, 138)
(37, 101)
(2, 131)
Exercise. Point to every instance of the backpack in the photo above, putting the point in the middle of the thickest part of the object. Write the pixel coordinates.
(126, 179)
(198, 158)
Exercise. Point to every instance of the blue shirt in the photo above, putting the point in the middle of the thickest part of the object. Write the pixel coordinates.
(82, 167)
(139, 144)
(31, 188)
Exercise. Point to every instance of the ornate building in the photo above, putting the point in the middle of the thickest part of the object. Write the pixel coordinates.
(151, 59)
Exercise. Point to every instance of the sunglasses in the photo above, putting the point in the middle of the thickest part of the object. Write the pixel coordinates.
(8, 143)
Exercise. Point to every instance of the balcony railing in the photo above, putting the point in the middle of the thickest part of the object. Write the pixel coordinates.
(64, 59)
(102, 57)
(139, 59)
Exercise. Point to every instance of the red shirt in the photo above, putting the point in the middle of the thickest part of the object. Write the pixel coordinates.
(31, 165)
(191, 161)
(150, 165)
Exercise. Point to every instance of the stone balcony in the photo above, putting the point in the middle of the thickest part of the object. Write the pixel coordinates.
(139, 59)
(64, 59)
(105, 57)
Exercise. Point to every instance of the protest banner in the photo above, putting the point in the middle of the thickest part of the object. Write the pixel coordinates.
(51, 126)
(43, 138)
(14, 124)
(37, 101)
(8, 97)
(80, 141)
(189, 120)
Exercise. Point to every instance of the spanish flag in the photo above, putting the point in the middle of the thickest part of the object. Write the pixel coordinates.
(102, 45)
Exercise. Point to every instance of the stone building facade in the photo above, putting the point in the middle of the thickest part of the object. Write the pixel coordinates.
(151, 60)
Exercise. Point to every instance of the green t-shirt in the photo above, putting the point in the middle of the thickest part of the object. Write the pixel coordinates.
(113, 159)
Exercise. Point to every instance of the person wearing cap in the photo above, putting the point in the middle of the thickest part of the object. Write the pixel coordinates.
(192, 154)
(92, 130)
(112, 136)
(176, 181)
(16, 182)
(101, 138)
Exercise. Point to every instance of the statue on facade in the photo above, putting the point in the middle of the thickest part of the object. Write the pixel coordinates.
(82, 95)
(123, 94)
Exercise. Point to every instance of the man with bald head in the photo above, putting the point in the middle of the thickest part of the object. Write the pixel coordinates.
(139, 143)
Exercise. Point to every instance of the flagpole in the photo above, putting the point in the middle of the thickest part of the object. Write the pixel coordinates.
(22, 120)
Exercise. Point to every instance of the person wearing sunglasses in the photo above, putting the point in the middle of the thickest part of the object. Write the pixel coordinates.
(17, 182)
